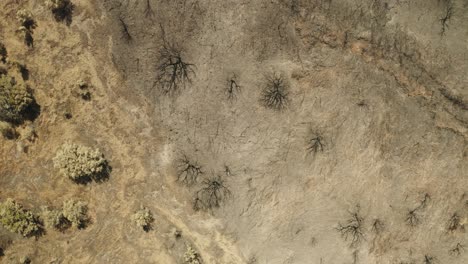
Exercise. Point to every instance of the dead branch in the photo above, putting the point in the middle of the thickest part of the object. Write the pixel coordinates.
(274, 94)
(352, 229)
(412, 217)
(315, 144)
(173, 71)
(213, 193)
(233, 88)
(188, 171)
(444, 20)
(125, 31)
(457, 250)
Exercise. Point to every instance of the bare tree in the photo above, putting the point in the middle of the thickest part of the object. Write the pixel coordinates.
(274, 94)
(457, 250)
(315, 144)
(377, 226)
(233, 87)
(352, 229)
(213, 193)
(125, 31)
(149, 13)
(448, 13)
(454, 223)
(412, 217)
(173, 71)
(429, 259)
(188, 171)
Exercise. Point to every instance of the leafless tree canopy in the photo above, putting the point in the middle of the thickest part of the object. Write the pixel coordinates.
(213, 193)
(315, 144)
(352, 229)
(412, 217)
(188, 171)
(274, 94)
(173, 71)
(233, 87)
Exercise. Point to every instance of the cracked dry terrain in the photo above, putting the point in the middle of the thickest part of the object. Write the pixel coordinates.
(380, 88)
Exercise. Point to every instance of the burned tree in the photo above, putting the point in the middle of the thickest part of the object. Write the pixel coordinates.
(448, 13)
(412, 217)
(62, 10)
(149, 13)
(454, 223)
(457, 250)
(173, 71)
(213, 193)
(233, 87)
(377, 226)
(274, 94)
(315, 144)
(429, 259)
(352, 229)
(188, 171)
(125, 31)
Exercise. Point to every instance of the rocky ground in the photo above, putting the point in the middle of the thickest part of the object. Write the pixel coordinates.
(367, 162)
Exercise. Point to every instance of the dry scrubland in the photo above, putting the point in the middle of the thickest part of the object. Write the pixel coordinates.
(198, 131)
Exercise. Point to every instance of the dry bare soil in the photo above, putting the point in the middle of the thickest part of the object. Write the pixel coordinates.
(366, 161)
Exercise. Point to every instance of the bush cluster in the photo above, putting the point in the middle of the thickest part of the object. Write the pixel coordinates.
(15, 99)
(76, 212)
(191, 256)
(18, 220)
(80, 163)
(143, 218)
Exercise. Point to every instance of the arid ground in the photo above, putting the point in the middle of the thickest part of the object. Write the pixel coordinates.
(364, 161)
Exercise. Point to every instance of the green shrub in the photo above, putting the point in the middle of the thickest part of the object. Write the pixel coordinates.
(18, 220)
(15, 99)
(80, 163)
(54, 218)
(76, 212)
(7, 130)
(143, 218)
(191, 256)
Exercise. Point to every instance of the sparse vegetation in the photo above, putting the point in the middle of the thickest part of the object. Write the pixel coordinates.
(15, 100)
(143, 218)
(61, 9)
(188, 171)
(412, 217)
(173, 71)
(76, 212)
(18, 220)
(274, 94)
(191, 256)
(81, 164)
(213, 193)
(352, 229)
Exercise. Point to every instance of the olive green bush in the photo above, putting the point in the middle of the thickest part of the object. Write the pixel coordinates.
(7, 130)
(76, 212)
(143, 218)
(18, 220)
(80, 163)
(191, 256)
(54, 218)
(15, 99)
